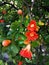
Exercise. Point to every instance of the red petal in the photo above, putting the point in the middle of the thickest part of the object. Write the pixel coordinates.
(31, 35)
(32, 25)
(1, 21)
(20, 63)
(26, 53)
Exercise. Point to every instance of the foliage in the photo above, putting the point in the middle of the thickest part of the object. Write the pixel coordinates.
(14, 28)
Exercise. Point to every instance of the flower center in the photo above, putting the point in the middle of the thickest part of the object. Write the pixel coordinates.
(32, 25)
(31, 34)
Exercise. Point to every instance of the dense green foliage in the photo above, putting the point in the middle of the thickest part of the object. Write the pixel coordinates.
(14, 28)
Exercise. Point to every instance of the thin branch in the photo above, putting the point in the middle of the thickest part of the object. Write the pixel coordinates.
(3, 3)
(26, 3)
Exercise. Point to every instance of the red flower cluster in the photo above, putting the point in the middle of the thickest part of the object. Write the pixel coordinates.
(26, 53)
(31, 34)
(1, 21)
(20, 63)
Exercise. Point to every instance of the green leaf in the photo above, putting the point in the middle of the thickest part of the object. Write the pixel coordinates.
(1, 39)
(6, 63)
(26, 23)
(13, 48)
(47, 63)
(20, 41)
(14, 25)
(47, 39)
(27, 60)
(35, 43)
(21, 36)
(21, 29)
(1, 62)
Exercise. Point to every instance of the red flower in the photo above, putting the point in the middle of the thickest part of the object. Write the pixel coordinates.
(32, 25)
(20, 63)
(31, 35)
(26, 53)
(1, 21)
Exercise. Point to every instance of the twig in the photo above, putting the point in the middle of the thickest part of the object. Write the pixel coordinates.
(3, 3)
